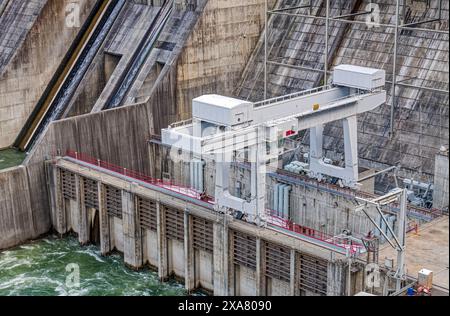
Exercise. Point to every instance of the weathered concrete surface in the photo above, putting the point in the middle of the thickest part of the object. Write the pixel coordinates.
(16, 20)
(132, 233)
(204, 270)
(245, 284)
(441, 182)
(150, 248)
(18, 223)
(116, 229)
(296, 41)
(176, 257)
(278, 288)
(28, 72)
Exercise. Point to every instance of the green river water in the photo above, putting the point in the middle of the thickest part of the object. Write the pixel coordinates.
(39, 268)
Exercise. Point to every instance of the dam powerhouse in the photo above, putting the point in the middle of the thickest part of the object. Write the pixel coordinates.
(224, 148)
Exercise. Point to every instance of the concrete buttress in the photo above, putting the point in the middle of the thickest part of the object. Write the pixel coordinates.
(131, 231)
(220, 255)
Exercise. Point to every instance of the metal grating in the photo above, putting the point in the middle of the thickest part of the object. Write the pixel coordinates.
(278, 262)
(90, 193)
(174, 224)
(113, 201)
(313, 274)
(203, 234)
(147, 213)
(244, 250)
(68, 185)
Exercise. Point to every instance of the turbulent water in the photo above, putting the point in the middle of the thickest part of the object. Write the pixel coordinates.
(39, 268)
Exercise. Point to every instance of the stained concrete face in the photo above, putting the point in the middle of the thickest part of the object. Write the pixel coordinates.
(150, 248)
(176, 257)
(278, 288)
(16, 219)
(245, 281)
(35, 59)
(204, 270)
(441, 182)
(117, 233)
(16, 20)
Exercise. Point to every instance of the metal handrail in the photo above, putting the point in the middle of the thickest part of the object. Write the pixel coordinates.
(169, 185)
(173, 186)
(341, 242)
(291, 96)
(181, 123)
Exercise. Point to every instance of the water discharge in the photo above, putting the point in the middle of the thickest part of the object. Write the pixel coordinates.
(39, 268)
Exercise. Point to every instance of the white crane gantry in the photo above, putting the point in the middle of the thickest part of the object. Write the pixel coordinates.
(221, 126)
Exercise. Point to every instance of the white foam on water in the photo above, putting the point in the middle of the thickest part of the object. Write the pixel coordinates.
(92, 254)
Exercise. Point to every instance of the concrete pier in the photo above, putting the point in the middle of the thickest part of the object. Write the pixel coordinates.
(105, 243)
(131, 231)
(186, 239)
(221, 273)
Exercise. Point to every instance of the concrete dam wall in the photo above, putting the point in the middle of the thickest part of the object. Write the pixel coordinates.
(421, 116)
(33, 46)
(120, 135)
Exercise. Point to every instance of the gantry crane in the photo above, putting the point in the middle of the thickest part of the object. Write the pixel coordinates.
(222, 126)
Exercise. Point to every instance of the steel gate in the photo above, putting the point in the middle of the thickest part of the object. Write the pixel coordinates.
(174, 223)
(313, 274)
(203, 234)
(90, 193)
(244, 250)
(278, 262)
(68, 185)
(113, 201)
(147, 213)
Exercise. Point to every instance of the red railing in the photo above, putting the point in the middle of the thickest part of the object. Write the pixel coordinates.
(273, 218)
(412, 227)
(344, 243)
(169, 185)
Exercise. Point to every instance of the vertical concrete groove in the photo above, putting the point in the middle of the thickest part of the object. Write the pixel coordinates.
(105, 239)
(162, 243)
(189, 262)
(83, 231)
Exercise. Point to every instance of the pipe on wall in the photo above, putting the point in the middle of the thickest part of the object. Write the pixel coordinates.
(287, 190)
(275, 197)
